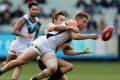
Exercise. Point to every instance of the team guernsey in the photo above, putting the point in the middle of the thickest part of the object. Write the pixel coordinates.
(48, 43)
(20, 43)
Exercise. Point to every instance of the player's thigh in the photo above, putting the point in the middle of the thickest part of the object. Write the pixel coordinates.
(28, 55)
(49, 60)
(18, 55)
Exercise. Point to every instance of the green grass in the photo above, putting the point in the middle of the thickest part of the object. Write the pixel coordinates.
(81, 71)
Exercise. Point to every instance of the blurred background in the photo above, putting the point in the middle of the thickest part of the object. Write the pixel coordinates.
(102, 64)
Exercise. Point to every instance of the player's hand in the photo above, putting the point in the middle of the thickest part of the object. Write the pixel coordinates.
(94, 36)
(86, 51)
(27, 35)
(74, 29)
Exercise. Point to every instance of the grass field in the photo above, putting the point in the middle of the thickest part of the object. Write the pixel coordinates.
(81, 71)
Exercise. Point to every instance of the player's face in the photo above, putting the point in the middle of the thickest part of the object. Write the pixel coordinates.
(60, 19)
(34, 11)
(82, 22)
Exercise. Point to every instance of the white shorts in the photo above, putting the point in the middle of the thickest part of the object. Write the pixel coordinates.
(17, 47)
(43, 45)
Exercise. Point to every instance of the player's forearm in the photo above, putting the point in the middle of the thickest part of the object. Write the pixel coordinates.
(82, 36)
(71, 52)
(17, 33)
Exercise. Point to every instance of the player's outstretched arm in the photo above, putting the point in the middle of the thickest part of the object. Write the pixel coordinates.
(72, 52)
(65, 46)
(78, 36)
(68, 50)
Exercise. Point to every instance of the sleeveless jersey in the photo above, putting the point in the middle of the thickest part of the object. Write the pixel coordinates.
(28, 28)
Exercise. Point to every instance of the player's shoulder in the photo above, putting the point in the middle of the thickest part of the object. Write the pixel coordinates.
(71, 22)
(21, 19)
(25, 17)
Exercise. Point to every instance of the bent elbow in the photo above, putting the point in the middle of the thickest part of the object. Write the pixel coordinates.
(14, 32)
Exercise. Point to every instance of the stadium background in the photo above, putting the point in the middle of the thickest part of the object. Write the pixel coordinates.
(102, 64)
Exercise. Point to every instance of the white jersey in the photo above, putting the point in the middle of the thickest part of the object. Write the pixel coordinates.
(20, 44)
(49, 42)
(56, 38)
(29, 28)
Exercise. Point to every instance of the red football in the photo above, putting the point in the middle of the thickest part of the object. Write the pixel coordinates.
(107, 33)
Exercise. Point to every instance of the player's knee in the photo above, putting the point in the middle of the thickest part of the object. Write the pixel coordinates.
(52, 65)
(53, 68)
(69, 67)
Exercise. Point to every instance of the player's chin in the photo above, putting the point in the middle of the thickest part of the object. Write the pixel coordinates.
(34, 15)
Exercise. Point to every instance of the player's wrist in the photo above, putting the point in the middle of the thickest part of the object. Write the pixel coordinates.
(81, 52)
(90, 36)
(68, 28)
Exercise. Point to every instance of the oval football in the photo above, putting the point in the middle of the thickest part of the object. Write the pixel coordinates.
(107, 33)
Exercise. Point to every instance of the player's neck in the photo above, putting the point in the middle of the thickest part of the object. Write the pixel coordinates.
(32, 19)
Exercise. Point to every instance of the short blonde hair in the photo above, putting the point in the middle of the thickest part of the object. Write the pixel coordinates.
(81, 15)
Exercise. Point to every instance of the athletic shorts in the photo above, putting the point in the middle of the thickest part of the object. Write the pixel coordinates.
(17, 47)
(42, 45)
